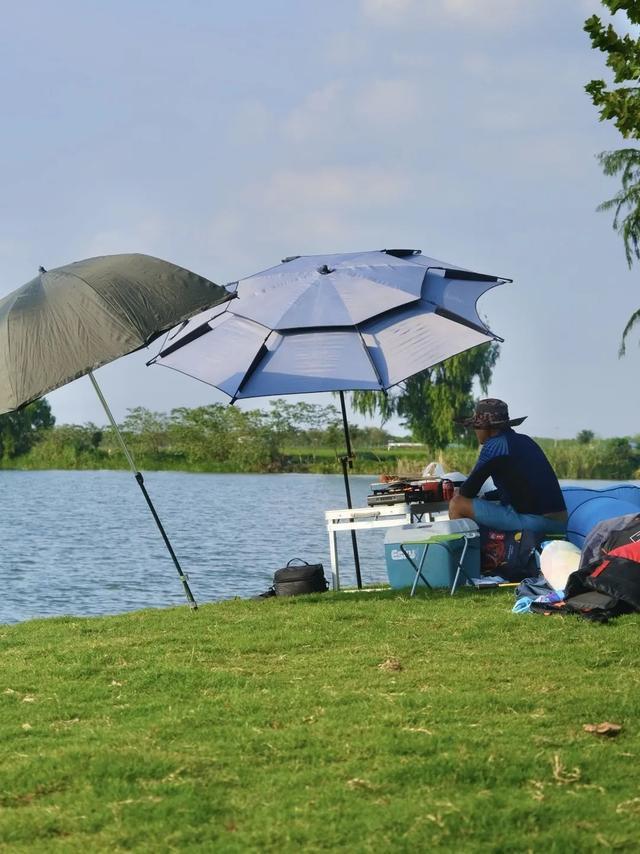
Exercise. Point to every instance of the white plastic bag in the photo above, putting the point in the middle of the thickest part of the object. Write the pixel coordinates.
(433, 469)
(557, 561)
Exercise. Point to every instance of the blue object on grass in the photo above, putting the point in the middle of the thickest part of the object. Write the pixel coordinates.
(522, 606)
(587, 507)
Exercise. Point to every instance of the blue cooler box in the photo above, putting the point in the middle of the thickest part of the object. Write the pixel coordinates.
(445, 540)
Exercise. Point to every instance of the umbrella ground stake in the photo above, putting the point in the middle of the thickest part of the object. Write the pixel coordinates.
(140, 481)
(347, 462)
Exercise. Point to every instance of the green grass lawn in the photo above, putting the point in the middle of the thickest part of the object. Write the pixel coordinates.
(357, 722)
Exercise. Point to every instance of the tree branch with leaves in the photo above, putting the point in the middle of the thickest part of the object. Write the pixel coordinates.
(621, 105)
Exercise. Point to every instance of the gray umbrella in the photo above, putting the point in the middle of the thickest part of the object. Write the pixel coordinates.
(318, 323)
(67, 322)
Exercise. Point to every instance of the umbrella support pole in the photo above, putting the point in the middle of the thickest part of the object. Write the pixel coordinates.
(140, 481)
(347, 463)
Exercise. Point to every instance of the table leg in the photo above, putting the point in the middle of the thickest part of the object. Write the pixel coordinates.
(418, 569)
(460, 567)
(333, 555)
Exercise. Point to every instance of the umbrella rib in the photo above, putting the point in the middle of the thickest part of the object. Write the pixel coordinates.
(370, 357)
(166, 338)
(468, 275)
(456, 318)
(293, 329)
(249, 319)
(196, 333)
(460, 273)
(262, 350)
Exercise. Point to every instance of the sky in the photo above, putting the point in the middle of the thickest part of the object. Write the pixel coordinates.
(226, 136)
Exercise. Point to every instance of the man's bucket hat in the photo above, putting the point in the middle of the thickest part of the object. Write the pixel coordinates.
(490, 413)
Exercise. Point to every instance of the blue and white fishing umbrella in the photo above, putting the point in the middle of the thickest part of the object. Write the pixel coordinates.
(319, 323)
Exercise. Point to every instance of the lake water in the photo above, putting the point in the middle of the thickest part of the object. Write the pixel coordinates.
(85, 543)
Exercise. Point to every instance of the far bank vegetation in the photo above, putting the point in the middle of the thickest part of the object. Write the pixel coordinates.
(288, 437)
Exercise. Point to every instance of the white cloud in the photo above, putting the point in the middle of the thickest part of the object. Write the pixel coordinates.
(347, 48)
(484, 14)
(317, 115)
(336, 115)
(330, 187)
(251, 123)
(387, 11)
(307, 211)
(146, 233)
(389, 102)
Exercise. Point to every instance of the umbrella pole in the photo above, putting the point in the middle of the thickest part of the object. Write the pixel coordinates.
(140, 480)
(347, 462)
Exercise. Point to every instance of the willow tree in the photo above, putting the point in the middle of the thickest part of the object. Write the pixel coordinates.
(620, 103)
(429, 402)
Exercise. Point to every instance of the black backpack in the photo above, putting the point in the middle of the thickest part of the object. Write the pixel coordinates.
(593, 606)
(609, 584)
(303, 578)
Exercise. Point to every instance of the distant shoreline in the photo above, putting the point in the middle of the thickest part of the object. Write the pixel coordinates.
(600, 459)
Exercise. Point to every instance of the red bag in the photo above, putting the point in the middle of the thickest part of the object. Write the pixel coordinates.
(510, 554)
(492, 551)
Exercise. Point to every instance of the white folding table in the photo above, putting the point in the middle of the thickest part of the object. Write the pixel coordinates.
(368, 518)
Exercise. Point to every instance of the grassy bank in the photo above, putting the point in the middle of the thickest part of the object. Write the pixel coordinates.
(570, 461)
(299, 437)
(610, 459)
(360, 722)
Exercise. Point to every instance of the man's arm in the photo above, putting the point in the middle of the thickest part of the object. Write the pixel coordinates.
(493, 456)
(482, 471)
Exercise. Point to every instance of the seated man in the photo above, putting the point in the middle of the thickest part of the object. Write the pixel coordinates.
(529, 494)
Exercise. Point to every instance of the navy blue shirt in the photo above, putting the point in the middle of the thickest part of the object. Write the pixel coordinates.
(522, 474)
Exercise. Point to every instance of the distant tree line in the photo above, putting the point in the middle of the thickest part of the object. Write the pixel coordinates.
(286, 437)
(207, 438)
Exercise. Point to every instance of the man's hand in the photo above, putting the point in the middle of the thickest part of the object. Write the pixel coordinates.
(461, 507)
